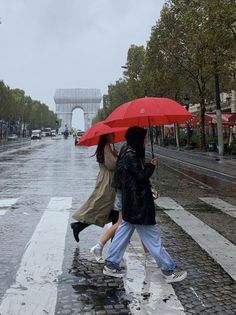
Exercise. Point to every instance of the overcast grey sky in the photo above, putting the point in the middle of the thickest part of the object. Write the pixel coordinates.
(49, 44)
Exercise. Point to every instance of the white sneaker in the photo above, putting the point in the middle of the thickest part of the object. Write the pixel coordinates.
(150, 261)
(123, 263)
(113, 272)
(175, 276)
(97, 253)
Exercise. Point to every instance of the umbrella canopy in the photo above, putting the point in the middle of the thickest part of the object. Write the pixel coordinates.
(92, 135)
(148, 111)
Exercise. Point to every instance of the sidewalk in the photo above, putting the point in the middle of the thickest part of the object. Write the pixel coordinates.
(210, 161)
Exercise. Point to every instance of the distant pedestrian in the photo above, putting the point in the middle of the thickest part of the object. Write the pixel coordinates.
(138, 211)
(98, 209)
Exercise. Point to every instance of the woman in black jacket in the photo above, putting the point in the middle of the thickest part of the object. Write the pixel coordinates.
(138, 210)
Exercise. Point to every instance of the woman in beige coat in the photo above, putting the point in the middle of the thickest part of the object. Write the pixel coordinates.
(97, 209)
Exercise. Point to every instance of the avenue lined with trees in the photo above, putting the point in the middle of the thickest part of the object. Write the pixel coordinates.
(19, 113)
(191, 43)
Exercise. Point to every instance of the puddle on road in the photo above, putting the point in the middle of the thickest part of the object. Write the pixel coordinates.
(90, 289)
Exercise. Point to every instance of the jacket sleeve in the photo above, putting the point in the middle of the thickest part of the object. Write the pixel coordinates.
(109, 158)
(133, 165)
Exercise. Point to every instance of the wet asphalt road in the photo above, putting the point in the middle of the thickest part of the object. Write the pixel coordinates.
(57, 169)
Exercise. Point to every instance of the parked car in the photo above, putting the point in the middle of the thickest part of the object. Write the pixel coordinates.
(36, 134)
(13, 136)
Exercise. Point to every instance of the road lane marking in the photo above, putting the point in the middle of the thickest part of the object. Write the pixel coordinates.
(218, 247)
(6, 204)
(35, 288)
(221, 205)
(151, 294)
(168, 203)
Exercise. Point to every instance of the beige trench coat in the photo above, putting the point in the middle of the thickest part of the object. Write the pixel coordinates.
(97, 208)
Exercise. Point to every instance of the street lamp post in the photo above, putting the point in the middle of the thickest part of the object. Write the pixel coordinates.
(218, 114)
(186, 102)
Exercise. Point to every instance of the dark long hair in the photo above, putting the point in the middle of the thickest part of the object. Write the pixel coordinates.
(100, 148)
(135, 139)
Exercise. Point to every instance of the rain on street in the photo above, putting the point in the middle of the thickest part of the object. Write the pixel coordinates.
(43, 270)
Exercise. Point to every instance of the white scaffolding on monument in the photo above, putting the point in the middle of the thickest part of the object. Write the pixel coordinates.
(67, 100)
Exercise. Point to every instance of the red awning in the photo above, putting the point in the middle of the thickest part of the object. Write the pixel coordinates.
(228, 119)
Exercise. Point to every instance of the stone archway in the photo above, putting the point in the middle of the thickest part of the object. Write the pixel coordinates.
(69, 99)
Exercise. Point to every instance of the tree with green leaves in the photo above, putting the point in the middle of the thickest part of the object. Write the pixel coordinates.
(117, 95)
(190, 37)
(20, 110)
(134, 71)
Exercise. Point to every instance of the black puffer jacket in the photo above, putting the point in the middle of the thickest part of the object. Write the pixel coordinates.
(137, 201)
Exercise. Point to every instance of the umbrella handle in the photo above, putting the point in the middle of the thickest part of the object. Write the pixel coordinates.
(151, 137)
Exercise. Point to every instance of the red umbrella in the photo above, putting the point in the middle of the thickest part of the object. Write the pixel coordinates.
(92, 135)
(148, 111)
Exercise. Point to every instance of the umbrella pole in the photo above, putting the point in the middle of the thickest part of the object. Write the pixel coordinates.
(151, 136)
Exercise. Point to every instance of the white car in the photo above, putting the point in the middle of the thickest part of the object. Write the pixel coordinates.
(53, 133)
(12, 137)
(36, 134)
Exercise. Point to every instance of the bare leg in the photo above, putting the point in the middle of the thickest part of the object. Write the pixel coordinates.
(97, 249)
(111, 231)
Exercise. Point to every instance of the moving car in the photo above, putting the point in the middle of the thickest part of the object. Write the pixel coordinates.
(36, 134)
(78, 136)
(53, 133)
(12, 137)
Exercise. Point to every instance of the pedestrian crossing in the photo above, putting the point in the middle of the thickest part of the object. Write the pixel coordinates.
(210, 240)
(221, 205)
(35, 287)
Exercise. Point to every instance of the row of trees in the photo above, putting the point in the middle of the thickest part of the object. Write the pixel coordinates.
(192, 42)
(19, 112)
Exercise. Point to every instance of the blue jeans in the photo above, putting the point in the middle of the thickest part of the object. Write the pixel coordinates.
(151, 239)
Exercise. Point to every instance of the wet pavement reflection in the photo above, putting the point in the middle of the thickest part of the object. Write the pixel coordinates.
(59, 169)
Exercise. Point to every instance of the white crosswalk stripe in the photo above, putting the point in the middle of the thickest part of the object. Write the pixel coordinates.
(221, 205)
(35, 289)
(168, 203)
(6, 204)
(210, 240)
(149, 280)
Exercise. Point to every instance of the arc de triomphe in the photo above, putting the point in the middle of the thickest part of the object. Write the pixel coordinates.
(69, 99)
